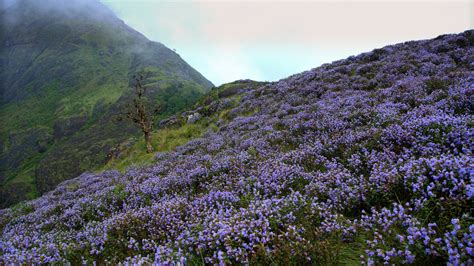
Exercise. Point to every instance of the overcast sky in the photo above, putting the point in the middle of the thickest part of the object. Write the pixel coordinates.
(269, 40)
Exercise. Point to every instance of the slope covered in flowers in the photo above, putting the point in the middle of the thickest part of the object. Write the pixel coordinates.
(364, 160)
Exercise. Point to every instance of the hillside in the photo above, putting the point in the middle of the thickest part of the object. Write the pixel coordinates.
(66, 71)
(207, 114)
(364, 160)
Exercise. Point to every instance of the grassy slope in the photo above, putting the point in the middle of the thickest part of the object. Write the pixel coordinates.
(83, 73)
(168, 138)
(52, 103)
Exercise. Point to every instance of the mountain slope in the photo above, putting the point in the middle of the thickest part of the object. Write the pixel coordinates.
(364, 160)
(66, 69)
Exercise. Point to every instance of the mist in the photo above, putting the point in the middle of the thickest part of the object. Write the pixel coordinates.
(270, 40)
(19, 11)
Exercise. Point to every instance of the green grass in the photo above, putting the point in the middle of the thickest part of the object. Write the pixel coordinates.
(26, 177)
(350, 252)
(163, 140)
(78, 67)
(87, 98)
(32, 112)
(167, 139)
(43, 110)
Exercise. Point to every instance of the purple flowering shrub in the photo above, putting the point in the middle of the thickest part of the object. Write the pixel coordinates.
(364, 160)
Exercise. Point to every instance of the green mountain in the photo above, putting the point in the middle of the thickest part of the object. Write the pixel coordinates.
(66, 73)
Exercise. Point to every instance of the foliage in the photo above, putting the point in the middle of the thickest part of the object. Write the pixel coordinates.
(319, 172)
(67, 75)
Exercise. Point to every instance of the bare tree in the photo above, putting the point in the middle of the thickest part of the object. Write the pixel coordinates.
(137, 112)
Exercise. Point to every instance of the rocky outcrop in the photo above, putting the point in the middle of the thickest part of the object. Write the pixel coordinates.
(192, 118)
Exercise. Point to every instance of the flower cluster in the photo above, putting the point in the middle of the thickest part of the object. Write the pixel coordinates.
(371, 155)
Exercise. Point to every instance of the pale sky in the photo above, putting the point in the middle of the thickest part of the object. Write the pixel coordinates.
(268, 40)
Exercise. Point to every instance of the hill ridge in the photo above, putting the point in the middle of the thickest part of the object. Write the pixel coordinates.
(61, 86)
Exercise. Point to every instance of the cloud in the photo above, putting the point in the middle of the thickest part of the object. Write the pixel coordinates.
(224, 64)
(271, 39)
(232, 64)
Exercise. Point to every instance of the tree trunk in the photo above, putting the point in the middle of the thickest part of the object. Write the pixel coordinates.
(149, 148)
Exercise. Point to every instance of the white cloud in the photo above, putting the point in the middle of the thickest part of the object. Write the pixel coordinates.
(224, 64)
(271, 39)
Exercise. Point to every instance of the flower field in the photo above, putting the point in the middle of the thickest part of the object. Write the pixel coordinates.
(365, 160)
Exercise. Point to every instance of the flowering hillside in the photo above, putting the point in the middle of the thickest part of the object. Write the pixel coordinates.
(364, 160)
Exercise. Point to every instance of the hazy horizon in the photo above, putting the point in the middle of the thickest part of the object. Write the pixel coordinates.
(270, 40)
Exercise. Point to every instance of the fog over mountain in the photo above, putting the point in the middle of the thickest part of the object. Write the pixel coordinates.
(66, 70)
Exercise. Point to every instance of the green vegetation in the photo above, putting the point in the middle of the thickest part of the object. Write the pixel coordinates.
(30, 112)
(167, 138)
(66, 83)
(179, 95)
(163, 140)
(227, 90)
